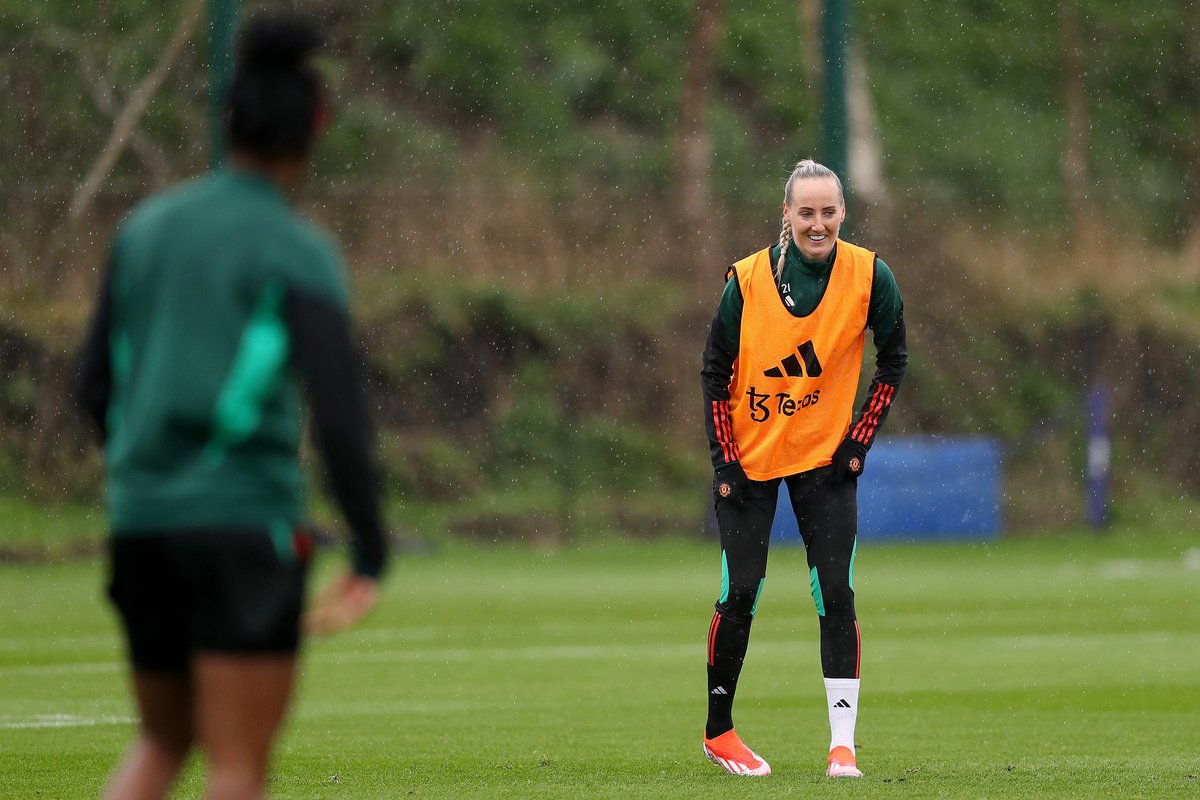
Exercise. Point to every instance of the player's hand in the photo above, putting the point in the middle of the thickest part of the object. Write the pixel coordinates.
(848, 461)
(730, 483)
(343, 602)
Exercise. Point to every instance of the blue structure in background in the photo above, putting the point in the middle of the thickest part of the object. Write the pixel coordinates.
(920, 488)
(1099, 452)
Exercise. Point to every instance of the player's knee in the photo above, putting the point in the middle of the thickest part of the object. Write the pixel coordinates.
(740, 604)
(838, 601)
(731, 613)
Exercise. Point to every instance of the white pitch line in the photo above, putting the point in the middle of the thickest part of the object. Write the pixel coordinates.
(63, 721)
(21, 644)
(40, 669)
(620, 652)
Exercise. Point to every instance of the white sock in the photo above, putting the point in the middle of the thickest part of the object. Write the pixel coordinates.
(842, 694)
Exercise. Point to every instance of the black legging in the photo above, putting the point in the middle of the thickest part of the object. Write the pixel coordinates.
(827, 514)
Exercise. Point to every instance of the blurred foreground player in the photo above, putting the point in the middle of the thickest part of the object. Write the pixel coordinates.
(781, 369)
(220, 302)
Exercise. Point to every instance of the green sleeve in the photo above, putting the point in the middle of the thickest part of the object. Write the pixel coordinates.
(729, 312)
(886, 303)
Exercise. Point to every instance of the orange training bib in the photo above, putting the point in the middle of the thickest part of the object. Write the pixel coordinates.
(791, 397)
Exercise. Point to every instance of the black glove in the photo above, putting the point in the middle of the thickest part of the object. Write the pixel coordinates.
(730, 483)
(848, 461)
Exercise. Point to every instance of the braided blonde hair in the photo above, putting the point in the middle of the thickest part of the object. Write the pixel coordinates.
(803, 169)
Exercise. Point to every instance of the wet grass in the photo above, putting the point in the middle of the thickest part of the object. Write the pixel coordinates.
(33, 532)
(1052, 667)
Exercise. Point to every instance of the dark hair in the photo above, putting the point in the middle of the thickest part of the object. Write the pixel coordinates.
(276, 100)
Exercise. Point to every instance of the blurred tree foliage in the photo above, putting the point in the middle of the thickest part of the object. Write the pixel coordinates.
(578, 102)
(971, 110)
(968, 95)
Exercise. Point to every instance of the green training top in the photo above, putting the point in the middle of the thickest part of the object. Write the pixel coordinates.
(207, 433)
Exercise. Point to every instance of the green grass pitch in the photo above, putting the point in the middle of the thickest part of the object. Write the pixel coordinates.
(1065, 667)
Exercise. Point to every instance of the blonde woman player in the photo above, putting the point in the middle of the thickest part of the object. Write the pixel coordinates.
(781, 370)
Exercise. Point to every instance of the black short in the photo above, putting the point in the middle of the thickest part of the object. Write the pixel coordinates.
(228, 591)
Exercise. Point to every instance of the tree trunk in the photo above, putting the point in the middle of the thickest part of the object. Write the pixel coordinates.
(1191, 243)
(810, 42)
(693, 190)
(126, 122)
(152, 156)
(865, 168)
(154, 160)
(1075, 154)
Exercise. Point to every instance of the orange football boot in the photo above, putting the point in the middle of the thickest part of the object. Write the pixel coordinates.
(842, 763)
(728, 752)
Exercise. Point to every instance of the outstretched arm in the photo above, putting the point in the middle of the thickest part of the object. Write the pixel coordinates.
(325, 358)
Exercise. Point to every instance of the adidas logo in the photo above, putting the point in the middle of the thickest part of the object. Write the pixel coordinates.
(841, 704)
(790, 365)
(719, 690)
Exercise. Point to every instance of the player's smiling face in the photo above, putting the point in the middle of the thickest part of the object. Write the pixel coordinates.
(816, 212)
